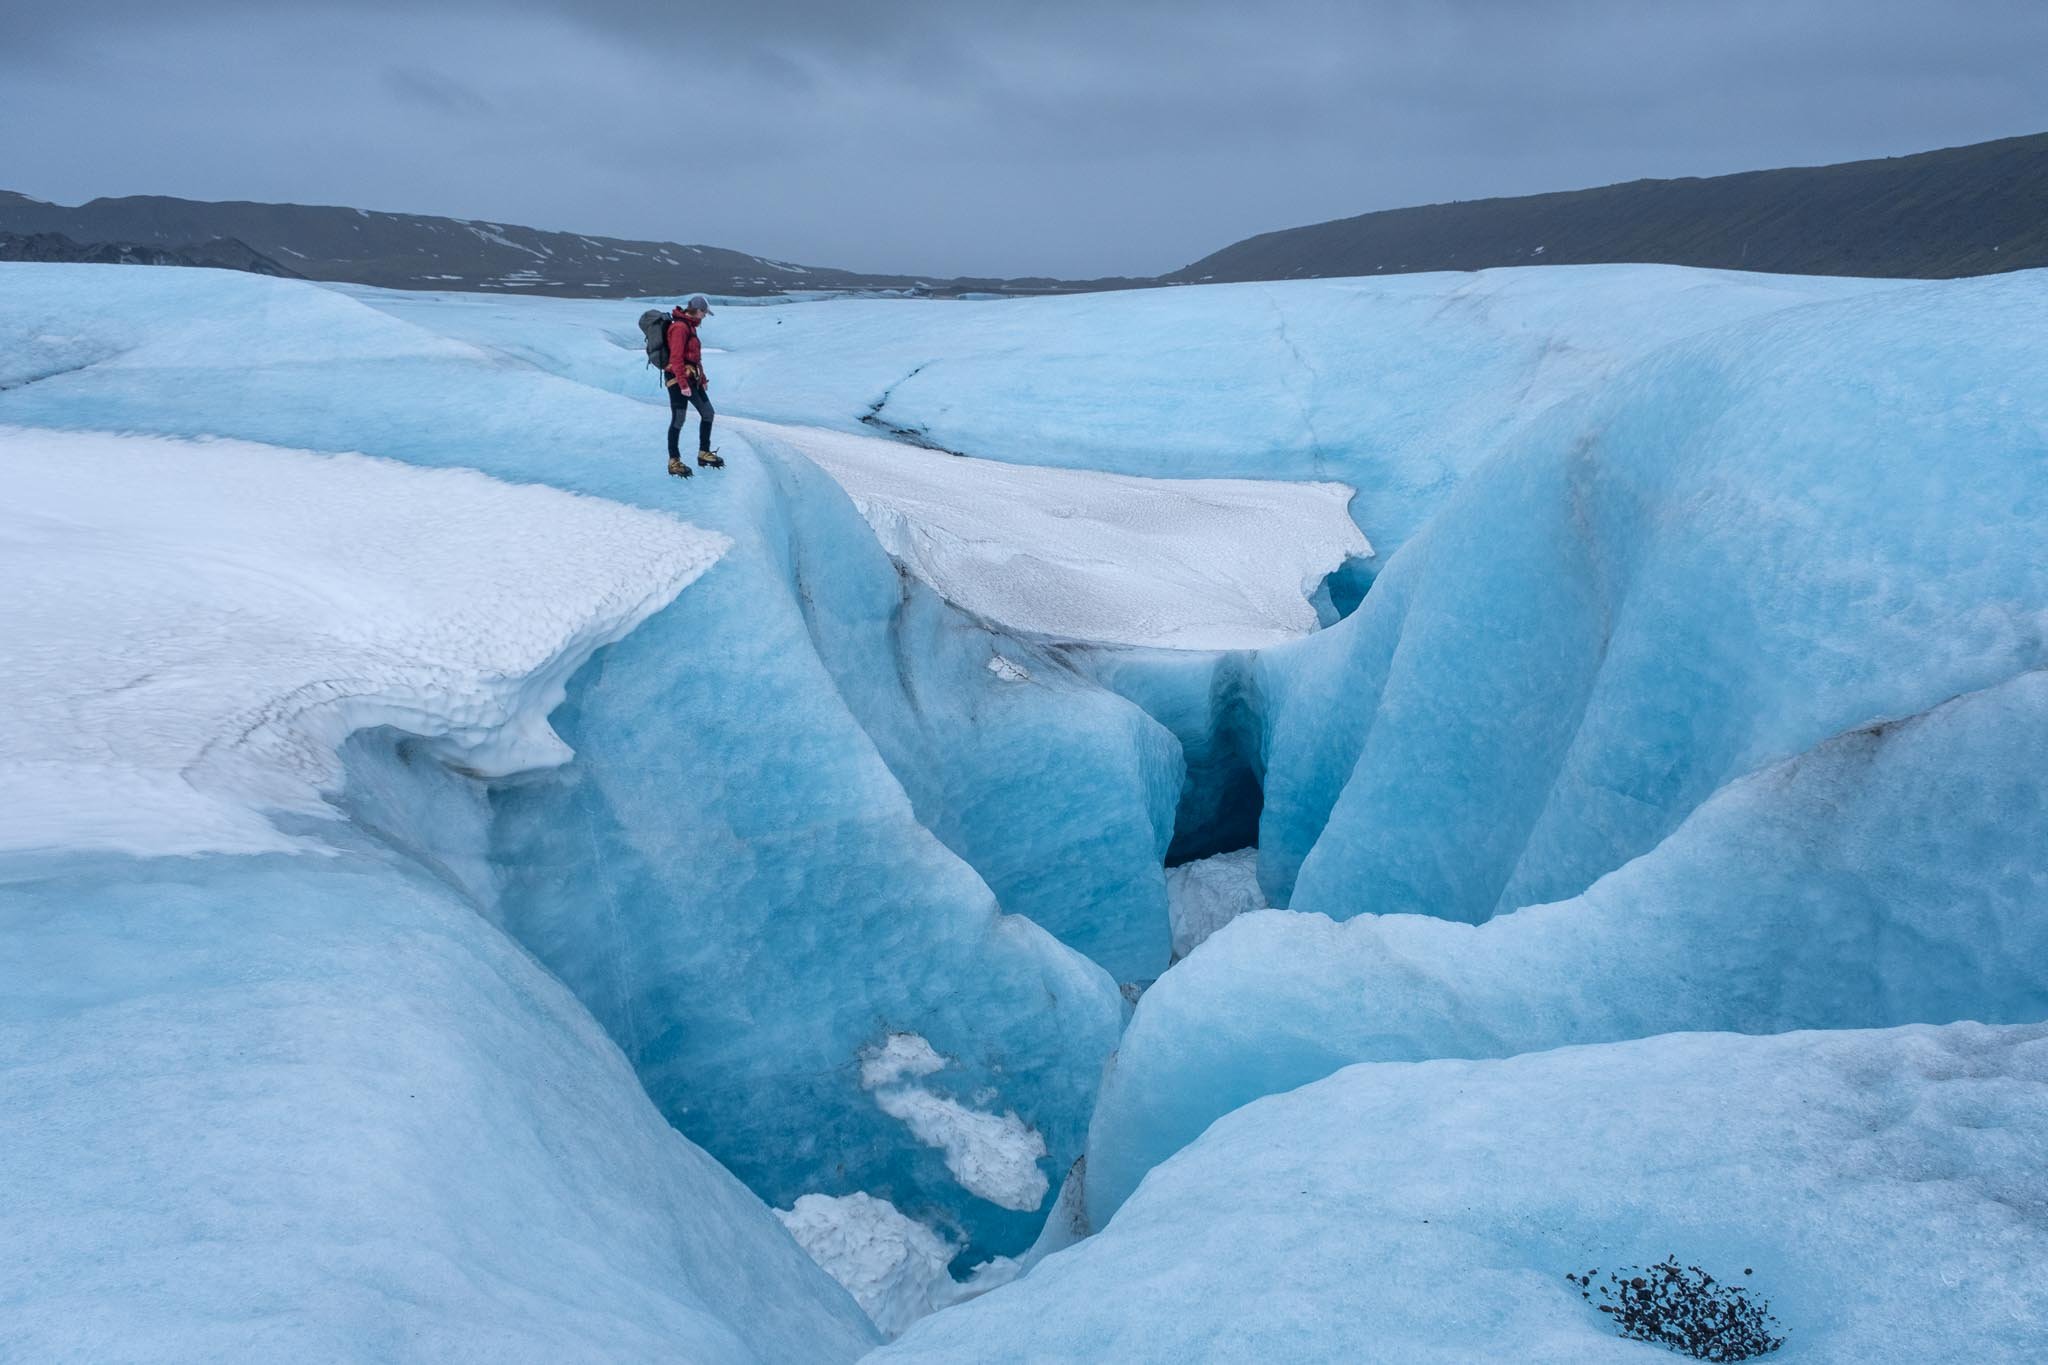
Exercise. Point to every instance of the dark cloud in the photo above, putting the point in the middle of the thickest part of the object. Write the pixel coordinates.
(1054, 136)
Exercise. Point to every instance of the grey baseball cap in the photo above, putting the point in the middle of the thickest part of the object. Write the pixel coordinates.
(697, 305)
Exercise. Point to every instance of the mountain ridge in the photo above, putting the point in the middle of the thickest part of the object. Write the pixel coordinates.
(1956, 211)
(339, 244)
(1972, 210)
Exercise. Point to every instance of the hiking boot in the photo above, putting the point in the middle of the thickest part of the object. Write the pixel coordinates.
(678, 468)
(709, 459)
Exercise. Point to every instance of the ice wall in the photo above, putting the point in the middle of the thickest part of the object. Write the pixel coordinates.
(1890, 875)
(766, 901)
(737, 884)
(299, 1108)
(1210, 701)
(1755, 540)
(272, 1082)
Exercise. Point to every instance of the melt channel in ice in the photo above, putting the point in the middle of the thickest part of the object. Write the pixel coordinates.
(273, 1086)
(1890, 876)
(1740, 567)
(736, 875)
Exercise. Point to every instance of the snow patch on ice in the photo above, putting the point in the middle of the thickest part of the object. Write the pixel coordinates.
(1203, 896)
(1105, 558)
(901, 1056)
(196, 627)
(1009, 670)
(994, 1156)
(894, 1266)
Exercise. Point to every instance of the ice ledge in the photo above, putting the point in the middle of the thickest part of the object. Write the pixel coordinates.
(1082, 556)
(194, 628)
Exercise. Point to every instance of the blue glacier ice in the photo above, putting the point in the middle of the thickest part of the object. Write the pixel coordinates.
(272, 1081)
(1879, 1191)
(737, 749)
(1694, 688)
(1396, 386)
(1727, 565)
(1890, 875)
(317, 1108)
(1756, 539)
(736, 883)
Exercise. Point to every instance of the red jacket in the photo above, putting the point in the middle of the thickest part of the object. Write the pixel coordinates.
(685, 352)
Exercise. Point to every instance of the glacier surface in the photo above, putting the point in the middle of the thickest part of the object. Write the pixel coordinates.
(754, 760)
(197, 626)
(1889, 876)
(1397, 386)
(317, 1108)
(273, 1085)
(1879, 1190)
(1754, 540)
(1697, 687)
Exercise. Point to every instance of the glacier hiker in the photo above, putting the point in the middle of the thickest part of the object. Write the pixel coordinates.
(686, 387)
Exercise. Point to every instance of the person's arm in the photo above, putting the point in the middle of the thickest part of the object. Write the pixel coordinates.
(678, 365)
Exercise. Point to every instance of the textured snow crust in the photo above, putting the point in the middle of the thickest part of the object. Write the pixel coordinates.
(196, 628)
(1881, 1190)
(1078, 555)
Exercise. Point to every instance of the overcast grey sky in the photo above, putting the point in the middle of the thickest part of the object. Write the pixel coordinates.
(1016, 138)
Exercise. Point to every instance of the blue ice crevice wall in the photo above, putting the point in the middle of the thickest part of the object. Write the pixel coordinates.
(733, 876)
(1713, 701)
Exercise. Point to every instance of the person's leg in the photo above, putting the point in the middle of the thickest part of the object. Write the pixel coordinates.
(678, 408)
(704, 414)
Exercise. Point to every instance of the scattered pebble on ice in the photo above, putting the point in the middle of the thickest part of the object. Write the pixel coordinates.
(194, 627)
(1880, 1189)
(1203, 896)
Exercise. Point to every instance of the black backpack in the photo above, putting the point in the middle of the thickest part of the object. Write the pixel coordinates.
(654, 326)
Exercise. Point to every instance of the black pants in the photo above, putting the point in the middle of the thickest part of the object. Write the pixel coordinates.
(679, 408)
